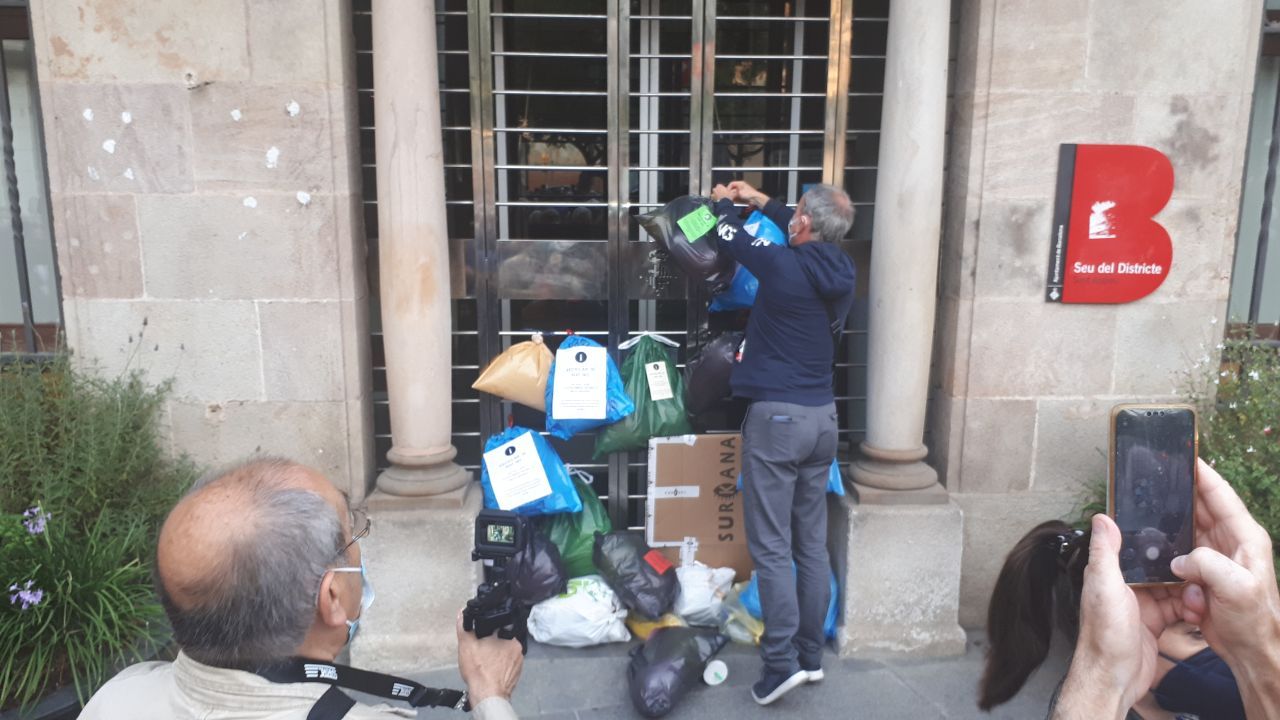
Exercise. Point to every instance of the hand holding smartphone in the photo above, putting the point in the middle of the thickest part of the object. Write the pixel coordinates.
(1151, 488)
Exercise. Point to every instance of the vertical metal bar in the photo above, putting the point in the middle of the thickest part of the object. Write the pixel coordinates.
(501, 155)
(1264, 229)
(488, 322)
(839, 66)
(797, 86)
(702, 85)
(618, 41)
(649, 110)
(697, 80)
(708, 96)
(15, 211)
(650, 118)
(37, 112)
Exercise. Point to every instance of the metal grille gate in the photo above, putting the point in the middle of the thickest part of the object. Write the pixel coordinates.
(563, 120)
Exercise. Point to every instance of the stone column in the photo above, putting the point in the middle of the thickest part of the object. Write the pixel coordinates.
(413, 252)
(904, 254)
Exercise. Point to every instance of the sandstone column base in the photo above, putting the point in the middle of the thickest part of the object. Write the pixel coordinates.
(425, 474)
(893, 469)
(900, 584)
(419, 560)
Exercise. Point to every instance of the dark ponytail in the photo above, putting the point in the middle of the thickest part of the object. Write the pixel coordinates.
(1040, 582)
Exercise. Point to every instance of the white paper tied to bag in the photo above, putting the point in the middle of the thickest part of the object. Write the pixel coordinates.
(581, 378)
(516, 473)
(659, 381)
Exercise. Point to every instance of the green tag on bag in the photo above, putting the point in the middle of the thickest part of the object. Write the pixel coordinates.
(697, 223)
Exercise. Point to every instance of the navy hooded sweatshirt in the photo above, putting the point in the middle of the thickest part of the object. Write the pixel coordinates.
(804, 297)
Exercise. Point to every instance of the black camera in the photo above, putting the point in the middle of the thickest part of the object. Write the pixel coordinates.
(499, 536)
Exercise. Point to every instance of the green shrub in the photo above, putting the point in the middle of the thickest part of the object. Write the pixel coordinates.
(1240, 425)
(80, 606)
(84, 483)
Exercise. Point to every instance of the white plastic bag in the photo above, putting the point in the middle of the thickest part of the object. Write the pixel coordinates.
(702, 590)
(588, 613)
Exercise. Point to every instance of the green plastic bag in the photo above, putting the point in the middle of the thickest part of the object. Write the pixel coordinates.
(651, 379)
(574, 534)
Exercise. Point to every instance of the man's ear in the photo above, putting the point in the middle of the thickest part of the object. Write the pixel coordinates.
(329, 610)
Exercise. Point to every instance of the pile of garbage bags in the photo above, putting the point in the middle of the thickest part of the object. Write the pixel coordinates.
(584, 582)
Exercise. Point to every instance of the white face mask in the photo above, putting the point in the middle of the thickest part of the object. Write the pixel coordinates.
(366, 596)
(791, 227)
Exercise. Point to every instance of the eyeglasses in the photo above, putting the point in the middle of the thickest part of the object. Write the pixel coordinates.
(361, 524)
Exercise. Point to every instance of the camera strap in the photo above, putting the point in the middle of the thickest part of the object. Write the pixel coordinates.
(335, 704)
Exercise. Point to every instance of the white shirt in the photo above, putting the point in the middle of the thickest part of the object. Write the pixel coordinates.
(188, 690)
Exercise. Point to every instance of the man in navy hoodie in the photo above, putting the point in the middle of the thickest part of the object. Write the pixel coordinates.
(789, 435)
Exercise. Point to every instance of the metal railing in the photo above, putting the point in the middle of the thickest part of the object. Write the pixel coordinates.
(653, 112)
(1270, 47)
(17, 27)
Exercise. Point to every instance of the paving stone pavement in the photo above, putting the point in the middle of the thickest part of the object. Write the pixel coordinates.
(588, 684)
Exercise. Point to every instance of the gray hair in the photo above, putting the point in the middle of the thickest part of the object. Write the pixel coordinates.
(257, 609)
(830, 211)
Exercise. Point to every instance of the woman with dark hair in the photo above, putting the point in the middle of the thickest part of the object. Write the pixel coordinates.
(1039, 589)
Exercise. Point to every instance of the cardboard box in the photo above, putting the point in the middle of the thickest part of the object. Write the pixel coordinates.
(694, 509)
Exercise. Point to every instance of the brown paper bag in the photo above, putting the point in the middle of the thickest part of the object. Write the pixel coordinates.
(519, 374)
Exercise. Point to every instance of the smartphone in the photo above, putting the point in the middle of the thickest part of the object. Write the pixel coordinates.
(1151, 488)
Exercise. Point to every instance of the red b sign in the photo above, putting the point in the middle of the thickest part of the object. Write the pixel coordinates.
(1106, 247)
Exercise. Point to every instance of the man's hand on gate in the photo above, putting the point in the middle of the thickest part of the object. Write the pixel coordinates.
(720, 192)
(741, 191)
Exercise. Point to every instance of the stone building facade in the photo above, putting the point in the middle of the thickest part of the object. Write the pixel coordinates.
(210, 182)
(1023, 388)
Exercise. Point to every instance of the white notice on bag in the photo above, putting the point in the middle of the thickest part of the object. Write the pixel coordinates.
(516, 473)
(581, 376)
(659, 383)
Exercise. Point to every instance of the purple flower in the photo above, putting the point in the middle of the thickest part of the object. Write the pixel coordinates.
(35, 519)
(26, 595)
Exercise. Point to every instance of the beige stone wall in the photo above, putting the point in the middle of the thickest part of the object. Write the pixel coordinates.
(1022, 389)
(203, 163)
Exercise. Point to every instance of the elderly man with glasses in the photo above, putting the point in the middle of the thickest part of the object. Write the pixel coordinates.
(259, 566)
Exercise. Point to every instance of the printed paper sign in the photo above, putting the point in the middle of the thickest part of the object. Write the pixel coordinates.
(697, 223)
(659, 382)
(581, 376)
(516, 473)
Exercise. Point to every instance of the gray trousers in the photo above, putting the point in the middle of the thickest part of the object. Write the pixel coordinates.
(787, 451)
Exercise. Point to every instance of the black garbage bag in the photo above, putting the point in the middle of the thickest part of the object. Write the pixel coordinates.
(668, 665)
(685, 228)
(536, 572)
(706, 376)
(642, 578)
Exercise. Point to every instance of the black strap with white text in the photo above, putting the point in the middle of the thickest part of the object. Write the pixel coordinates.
(334, 703)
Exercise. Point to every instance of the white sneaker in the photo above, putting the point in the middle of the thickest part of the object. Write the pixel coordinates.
(815, 676)
(765, 691)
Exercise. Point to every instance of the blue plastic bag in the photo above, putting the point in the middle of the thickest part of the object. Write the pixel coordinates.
(742, 289)
(617, 403)
(835, 484)
(564, 496)
(750, 597)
